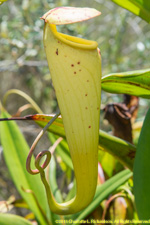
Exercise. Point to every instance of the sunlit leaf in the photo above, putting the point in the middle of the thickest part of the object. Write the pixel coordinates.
(41, 119)
(68, 15)
(2, 1)
(135, 83)
(108, 163)
(20, 203)
(7, 219)
(136, 129)
(138, 7)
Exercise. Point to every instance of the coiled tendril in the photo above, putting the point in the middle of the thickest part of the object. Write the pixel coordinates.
(40, 168)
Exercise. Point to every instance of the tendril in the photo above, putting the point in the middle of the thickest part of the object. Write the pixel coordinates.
(40, 168)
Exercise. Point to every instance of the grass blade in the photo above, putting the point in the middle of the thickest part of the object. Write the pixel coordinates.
(15, 151)
(7, 219)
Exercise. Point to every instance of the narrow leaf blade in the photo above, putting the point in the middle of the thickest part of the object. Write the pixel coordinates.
(135, 83)
(7, 219)
(138, 7)
(119, 148)
(141, 176)
(15, 151)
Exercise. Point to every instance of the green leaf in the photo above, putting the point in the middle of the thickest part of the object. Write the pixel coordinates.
(141, 175)
(2, 1)
(138, 7)
(62, 150)
(135, 83)
(20, 203)
(53, 181)
(51, 171)
(120, 149)
(7, 219)
(104, 190)
(57, 126)
(15, 151)
(108, 163)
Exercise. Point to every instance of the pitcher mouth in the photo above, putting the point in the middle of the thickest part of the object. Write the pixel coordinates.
(74, 41)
